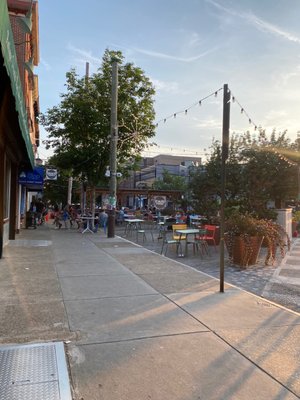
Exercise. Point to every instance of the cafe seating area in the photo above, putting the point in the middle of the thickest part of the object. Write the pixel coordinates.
(170, 235)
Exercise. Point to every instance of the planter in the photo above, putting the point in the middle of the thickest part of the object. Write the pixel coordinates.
(242, 252)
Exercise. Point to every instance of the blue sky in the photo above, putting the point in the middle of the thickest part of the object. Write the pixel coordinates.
(189, 49)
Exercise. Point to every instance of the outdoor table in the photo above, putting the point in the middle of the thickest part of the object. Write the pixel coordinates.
(132, 224)
(88, 224)
(186, 233)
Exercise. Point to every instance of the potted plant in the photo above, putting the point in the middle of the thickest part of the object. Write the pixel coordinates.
(244, 234)
(243, 238)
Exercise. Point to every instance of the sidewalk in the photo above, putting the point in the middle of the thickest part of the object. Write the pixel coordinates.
(141, 326)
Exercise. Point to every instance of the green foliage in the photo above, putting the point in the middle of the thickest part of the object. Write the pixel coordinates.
(79, 127)
(170, 182)
(246, 226)
(56, 192)
(296, 216)
(256, 173)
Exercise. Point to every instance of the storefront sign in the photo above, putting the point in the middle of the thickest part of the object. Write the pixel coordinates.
(35, 177)
(160, 202)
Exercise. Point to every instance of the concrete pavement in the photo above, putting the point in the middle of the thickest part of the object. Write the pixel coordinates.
(141, 326)
(279, 282)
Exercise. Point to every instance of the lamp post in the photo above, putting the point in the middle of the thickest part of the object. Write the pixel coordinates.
(113, 152)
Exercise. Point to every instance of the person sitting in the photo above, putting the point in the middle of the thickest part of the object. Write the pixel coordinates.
(138, 213)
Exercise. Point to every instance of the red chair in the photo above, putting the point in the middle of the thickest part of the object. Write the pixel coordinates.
(210, 234)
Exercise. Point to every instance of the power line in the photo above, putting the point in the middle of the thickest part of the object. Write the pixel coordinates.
(182, 151)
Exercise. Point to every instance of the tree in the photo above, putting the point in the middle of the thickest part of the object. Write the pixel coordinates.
(79, 127)
(170, 182)
(257, 172)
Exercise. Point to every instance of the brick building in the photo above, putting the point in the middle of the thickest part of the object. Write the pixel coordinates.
(19, 133)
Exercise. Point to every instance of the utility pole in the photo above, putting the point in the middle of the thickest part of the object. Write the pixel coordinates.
(113, 152)
(83, 184)
(225, 150)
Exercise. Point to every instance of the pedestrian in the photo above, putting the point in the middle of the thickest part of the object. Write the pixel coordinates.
(66, 215)
(57, 217)
(103, 218)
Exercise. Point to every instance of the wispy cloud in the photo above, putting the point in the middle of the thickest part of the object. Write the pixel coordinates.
(209, 123)
(171, 57)
(286, 76)
(257, 22)
(194, 40)
(84, 55)
(46, 65)
(169, 87)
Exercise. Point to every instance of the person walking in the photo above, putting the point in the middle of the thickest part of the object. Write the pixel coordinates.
(103, 218)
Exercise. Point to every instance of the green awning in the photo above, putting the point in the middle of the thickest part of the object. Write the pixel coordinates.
(11, 65)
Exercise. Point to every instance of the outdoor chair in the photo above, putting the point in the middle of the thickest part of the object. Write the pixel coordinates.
(210, 235)
(177, 236)
(167, 241)
(147, 227)
(201, 243)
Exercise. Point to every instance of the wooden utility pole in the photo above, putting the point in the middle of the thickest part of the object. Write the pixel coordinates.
(225, 150)
(113, 152)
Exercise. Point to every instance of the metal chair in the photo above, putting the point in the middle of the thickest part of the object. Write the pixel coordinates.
(176, 236)
(148, 227)
(210, 234)
(201, 243)
(166, 242)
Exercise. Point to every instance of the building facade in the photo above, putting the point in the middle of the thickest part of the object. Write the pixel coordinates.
(19, 134)
(152, 169)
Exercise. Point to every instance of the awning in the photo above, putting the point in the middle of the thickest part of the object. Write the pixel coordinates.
(11, 65)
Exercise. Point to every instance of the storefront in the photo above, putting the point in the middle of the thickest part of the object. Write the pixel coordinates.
(15, 145)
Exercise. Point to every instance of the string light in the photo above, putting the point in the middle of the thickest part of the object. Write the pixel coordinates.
(164, 149)
(185, 111)
(243, 111)
(283, 158)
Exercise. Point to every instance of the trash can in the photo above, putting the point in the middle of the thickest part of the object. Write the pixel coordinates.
(30, 220)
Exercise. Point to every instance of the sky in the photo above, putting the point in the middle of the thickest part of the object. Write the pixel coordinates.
(189, 49)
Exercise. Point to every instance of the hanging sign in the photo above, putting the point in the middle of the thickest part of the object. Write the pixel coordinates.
(51, 174)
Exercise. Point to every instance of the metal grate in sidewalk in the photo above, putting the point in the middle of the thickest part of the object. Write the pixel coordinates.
(34, 372)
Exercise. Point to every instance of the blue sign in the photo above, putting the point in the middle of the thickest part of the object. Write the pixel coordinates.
(35, 177)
